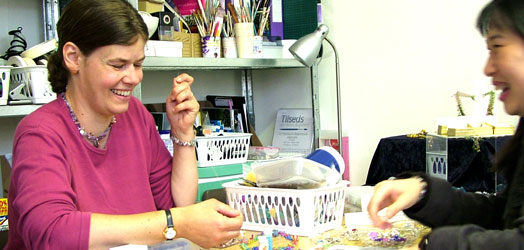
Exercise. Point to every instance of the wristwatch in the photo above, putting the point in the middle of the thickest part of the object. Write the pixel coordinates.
(169, 232)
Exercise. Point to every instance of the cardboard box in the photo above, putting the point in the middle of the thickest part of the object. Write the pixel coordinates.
(163, 48)
(5, 165)
(150, 6)
(4, 223)
(191, 44)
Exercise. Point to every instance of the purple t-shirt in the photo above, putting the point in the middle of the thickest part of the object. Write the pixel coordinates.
(58, 178)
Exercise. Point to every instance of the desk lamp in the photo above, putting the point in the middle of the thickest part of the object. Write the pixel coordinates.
(306, 50)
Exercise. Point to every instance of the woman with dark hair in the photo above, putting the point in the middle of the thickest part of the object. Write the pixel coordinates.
(89, 168)
(463, 220)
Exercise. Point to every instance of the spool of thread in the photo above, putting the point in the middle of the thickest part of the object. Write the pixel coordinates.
(18, 61)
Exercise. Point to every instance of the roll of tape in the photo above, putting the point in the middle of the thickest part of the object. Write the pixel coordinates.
(29, 61)
(16, 61)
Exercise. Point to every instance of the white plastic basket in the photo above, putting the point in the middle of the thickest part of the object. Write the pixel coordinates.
(31, 83)
(5, 71)
(303, 212)
(230, 148)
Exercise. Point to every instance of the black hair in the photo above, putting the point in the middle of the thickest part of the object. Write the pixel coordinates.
(504, 15)
(91, 24)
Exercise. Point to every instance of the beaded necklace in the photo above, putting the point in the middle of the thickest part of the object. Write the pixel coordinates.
(92, 138)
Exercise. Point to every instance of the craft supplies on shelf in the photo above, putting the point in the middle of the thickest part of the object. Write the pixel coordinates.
(227, 148)
(301, 212)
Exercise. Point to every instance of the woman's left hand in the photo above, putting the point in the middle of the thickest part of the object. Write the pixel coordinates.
(182, 108)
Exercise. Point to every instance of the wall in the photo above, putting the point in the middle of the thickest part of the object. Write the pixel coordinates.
(21, 13)
(401, 61)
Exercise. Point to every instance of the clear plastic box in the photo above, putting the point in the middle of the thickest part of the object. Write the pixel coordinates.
(437, 156)
(295, 173)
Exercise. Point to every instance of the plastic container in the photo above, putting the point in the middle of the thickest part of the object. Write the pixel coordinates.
(300, 212)
(31, 83)
(228, 148)
(263, 153)
(5, 71)
(295, 173)
(244, 36)
(211, 47)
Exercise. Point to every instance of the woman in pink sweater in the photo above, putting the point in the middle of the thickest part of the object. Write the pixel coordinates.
(89, 168)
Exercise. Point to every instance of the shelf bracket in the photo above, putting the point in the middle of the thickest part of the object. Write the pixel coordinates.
(247, 92)
(316, 105)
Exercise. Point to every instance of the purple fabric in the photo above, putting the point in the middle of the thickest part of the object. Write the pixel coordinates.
(59, 179)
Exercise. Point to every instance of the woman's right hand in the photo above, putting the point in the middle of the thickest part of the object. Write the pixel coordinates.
(208, 223)
(396, 195)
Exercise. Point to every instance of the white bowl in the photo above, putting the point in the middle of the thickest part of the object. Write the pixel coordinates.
(151, 22)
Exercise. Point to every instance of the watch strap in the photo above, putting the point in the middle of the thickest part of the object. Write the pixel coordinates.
(169, 218)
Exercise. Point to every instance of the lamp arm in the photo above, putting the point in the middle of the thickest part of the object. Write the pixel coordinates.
(339, 115)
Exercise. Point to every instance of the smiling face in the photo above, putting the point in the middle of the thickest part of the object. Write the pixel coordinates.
(506, 67)
(107, 77)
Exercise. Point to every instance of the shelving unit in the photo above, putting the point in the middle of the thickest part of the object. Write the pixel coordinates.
(17, 110)
(170, 63)
(244, 64)
(199, 63)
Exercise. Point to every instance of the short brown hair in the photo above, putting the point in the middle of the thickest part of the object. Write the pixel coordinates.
(91, 24)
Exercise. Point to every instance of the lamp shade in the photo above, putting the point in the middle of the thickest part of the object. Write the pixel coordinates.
(306, 49)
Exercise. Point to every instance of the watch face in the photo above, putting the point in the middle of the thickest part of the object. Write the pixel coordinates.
(170, 233)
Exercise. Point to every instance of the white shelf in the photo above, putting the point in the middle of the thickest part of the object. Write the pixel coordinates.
(17, 110)
(170, 63)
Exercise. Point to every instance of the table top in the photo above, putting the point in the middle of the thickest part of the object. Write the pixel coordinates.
(341, 238)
